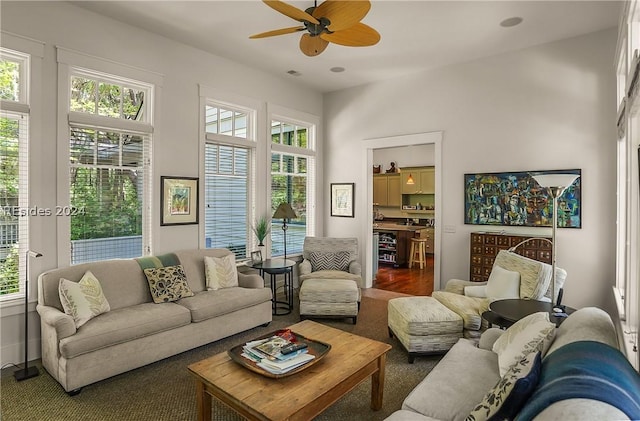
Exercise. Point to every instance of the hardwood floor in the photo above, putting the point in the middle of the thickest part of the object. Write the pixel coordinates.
(413, 281)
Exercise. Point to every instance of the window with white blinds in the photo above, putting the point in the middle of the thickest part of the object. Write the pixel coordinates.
(226, 198)
(14, 202)
(14, 172)
(109, 167)
(293, 182)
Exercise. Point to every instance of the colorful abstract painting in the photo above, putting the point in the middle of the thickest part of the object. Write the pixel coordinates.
(515, 199)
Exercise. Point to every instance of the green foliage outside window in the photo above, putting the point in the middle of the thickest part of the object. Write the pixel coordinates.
(9, 80)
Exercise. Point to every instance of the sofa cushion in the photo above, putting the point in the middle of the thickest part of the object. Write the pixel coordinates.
(83, 300)
(328, 260)
(208, 304)
(535, 276)
(454, 387)
(168, 283)
(511, 392)
(123, 325)
(585, 324)
(531, 333)
(220, 272)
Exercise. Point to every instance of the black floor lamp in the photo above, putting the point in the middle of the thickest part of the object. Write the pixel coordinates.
(27, 372)
(284, 212)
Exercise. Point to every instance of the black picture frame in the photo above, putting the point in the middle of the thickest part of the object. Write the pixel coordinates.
(516, 199)
(179, 201)
(342, 199)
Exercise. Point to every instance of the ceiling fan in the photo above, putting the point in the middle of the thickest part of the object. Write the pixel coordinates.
(336, 21)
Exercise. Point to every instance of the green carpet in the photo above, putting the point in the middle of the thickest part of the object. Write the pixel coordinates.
(166, 391)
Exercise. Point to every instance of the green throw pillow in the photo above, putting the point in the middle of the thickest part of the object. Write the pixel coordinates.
(168, 283)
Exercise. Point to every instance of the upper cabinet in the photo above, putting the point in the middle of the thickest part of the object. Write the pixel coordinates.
(424, 180)
(386, 190)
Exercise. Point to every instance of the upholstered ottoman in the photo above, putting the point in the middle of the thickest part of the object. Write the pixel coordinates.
(423, 325)
(329, 298)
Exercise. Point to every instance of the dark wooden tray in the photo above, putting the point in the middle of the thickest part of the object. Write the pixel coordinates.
(316, 348)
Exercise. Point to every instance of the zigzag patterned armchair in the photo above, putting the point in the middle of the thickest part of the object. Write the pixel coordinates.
(330, 278)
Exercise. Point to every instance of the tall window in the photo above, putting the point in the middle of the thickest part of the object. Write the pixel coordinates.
(14, 154)
(227, 166)
(109, 167)
(292, 181)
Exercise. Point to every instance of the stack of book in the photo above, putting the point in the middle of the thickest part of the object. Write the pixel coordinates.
(277, 355)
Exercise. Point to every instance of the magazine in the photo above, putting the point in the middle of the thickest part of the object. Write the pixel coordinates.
(272, 345)
(281, 367)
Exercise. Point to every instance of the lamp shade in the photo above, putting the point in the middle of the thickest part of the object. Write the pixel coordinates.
(560, 181)
(410, 180)
(284, 211)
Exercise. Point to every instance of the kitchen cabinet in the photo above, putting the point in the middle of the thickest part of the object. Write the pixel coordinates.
(386, 190)
(429, 235)
(424, 180)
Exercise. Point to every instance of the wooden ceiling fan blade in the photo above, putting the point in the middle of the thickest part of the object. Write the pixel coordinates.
(312, 46)
(291, 11)
(359, 35)
(278, 32)
(342, 14)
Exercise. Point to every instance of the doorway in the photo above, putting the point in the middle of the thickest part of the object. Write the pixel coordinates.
(406, 141)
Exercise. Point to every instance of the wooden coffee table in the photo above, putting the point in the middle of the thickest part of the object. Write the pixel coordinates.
(300, 396)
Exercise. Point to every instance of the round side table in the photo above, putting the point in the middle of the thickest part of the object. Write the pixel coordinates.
(275, 267)
(504, 313)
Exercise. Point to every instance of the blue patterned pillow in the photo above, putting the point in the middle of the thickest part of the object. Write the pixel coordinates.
(511, 392)
(329, 261)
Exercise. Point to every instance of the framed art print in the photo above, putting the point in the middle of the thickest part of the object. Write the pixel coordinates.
(342, 197)
(516, 199)
(178, 200)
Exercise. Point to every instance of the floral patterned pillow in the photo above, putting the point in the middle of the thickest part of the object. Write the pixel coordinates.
(168, 283)
(82, 300)
(221, 272)
(511, 392)
(531, 333)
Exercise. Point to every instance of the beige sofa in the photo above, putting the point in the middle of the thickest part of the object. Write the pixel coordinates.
(136, 331)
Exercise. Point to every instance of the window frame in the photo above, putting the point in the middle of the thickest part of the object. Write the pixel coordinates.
(253, 142)
(72, 63)
(312, 124)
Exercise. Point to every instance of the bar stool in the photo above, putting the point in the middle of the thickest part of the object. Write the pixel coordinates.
(419, 248)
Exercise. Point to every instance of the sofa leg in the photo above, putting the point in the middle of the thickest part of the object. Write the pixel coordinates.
(411, 359)
(265, 324)
(390, 332)
(355, 319)
(74, 392)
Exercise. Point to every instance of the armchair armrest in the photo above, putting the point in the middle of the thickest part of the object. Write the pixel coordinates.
(62, 323)
(456, 286)
(355, 268)
(250, 280)
(304, 268)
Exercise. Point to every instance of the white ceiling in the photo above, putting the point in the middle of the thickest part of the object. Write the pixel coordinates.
(415, 35)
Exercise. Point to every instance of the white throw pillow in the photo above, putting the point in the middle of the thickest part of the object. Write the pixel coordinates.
(503, 284)
(477, 291)
(82, 300)
(221, 272)
(531, 333)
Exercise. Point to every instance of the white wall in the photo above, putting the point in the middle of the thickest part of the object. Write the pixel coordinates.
(176, 138)
(546, 107)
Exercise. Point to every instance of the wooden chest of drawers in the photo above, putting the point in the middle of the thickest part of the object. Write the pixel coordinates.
(485, 246)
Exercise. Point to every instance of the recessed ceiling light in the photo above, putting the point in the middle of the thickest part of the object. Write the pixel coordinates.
(337, 69)
(509, 22)
(294, 73)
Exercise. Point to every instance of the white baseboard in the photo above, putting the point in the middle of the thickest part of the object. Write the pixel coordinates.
(14, 353)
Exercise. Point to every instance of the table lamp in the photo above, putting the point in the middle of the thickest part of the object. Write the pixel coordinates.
(555, 184)
(284, 212)
(27, 372)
